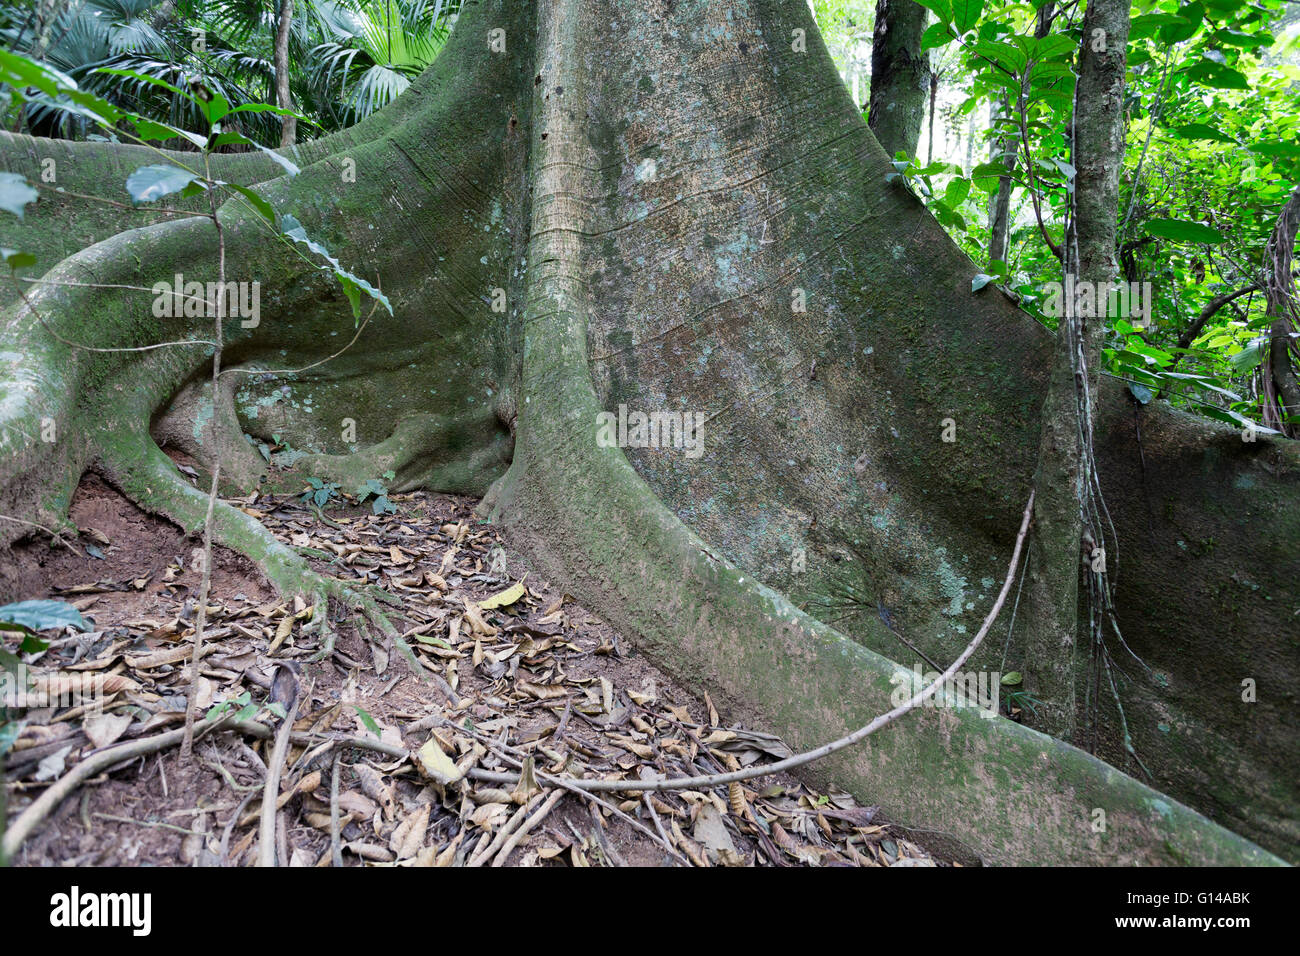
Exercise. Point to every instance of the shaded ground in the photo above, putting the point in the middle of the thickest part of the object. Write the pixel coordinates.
(534, 676)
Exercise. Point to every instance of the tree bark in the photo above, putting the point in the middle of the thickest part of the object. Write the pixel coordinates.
(1069, 538)
(684, 213)
(1280, 289)
(1003, 150)
(288, 124)
(900, 75)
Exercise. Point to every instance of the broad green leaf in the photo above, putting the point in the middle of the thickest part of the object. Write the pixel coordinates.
(1249, 357)
(980, 281)
(15, 193)
(935, 36)
(16, 258)
(149, 183)
(1185, 25)
(261, 205)
(1141, 393)
(1277, 148)
(154, 131)
(41, 615)
(1180, 230)
(229, 137)
(1218, 76)
(966, 13)
(1202, 131)
(940, 8)
(956, 192)
(985, 176)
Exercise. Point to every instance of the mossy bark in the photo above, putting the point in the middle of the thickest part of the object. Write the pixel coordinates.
(684, 212)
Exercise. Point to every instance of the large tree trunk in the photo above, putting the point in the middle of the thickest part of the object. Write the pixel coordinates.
(686, 213)
(900, 75)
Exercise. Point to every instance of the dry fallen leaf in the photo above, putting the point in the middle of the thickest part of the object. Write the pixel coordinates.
(436, 765)
(503, 598)
(105, 728)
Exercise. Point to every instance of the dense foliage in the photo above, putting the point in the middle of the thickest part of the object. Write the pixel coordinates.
(347, 58)
(1212, 154)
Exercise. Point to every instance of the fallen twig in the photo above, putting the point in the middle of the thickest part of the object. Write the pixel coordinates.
(527, 826)
(266, 845)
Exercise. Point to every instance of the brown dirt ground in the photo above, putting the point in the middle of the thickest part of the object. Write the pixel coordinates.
(555, 680)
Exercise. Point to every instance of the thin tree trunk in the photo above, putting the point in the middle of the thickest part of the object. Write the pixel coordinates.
(899, 71)
(934, 98)
(1281, 291)
(288, 124)
(1005, 150)
(1066, 527)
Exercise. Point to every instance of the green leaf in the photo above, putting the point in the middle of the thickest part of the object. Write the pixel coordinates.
(368, 721)
(980, 281)
(154, 131)
(15, 194)
(247, 712)
(261, 205)
(1010, 680)
(1202, 131)
(1184, 25)
(1180, 230)
(1007, 55)
(149, 183)
(1249, 357)
(941, 8)
(1276, 148)
(985, 176)
(1248, 40)
(1217, 76)
(215, 108)
(966, 13)
(41, 615)
(231, 138)
(16, 258)
(935, 36)
(956, 192)
(1141, 393)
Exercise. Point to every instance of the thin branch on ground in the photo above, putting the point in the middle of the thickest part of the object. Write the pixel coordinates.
(266, 840)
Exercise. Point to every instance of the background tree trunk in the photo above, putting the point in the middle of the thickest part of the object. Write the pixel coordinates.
(1280, 289)
(900, 75)
(288, 124)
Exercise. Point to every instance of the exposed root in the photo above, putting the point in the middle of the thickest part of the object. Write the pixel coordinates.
(150, 479)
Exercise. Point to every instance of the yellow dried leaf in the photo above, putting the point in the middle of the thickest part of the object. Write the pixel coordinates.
(436, 765)
(503, 598)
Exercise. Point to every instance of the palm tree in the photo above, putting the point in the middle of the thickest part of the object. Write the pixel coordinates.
(345, 58)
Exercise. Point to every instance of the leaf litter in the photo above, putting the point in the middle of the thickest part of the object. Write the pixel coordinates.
(518, 684)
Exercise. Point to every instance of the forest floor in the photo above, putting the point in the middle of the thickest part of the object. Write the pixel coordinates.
(510, 673)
